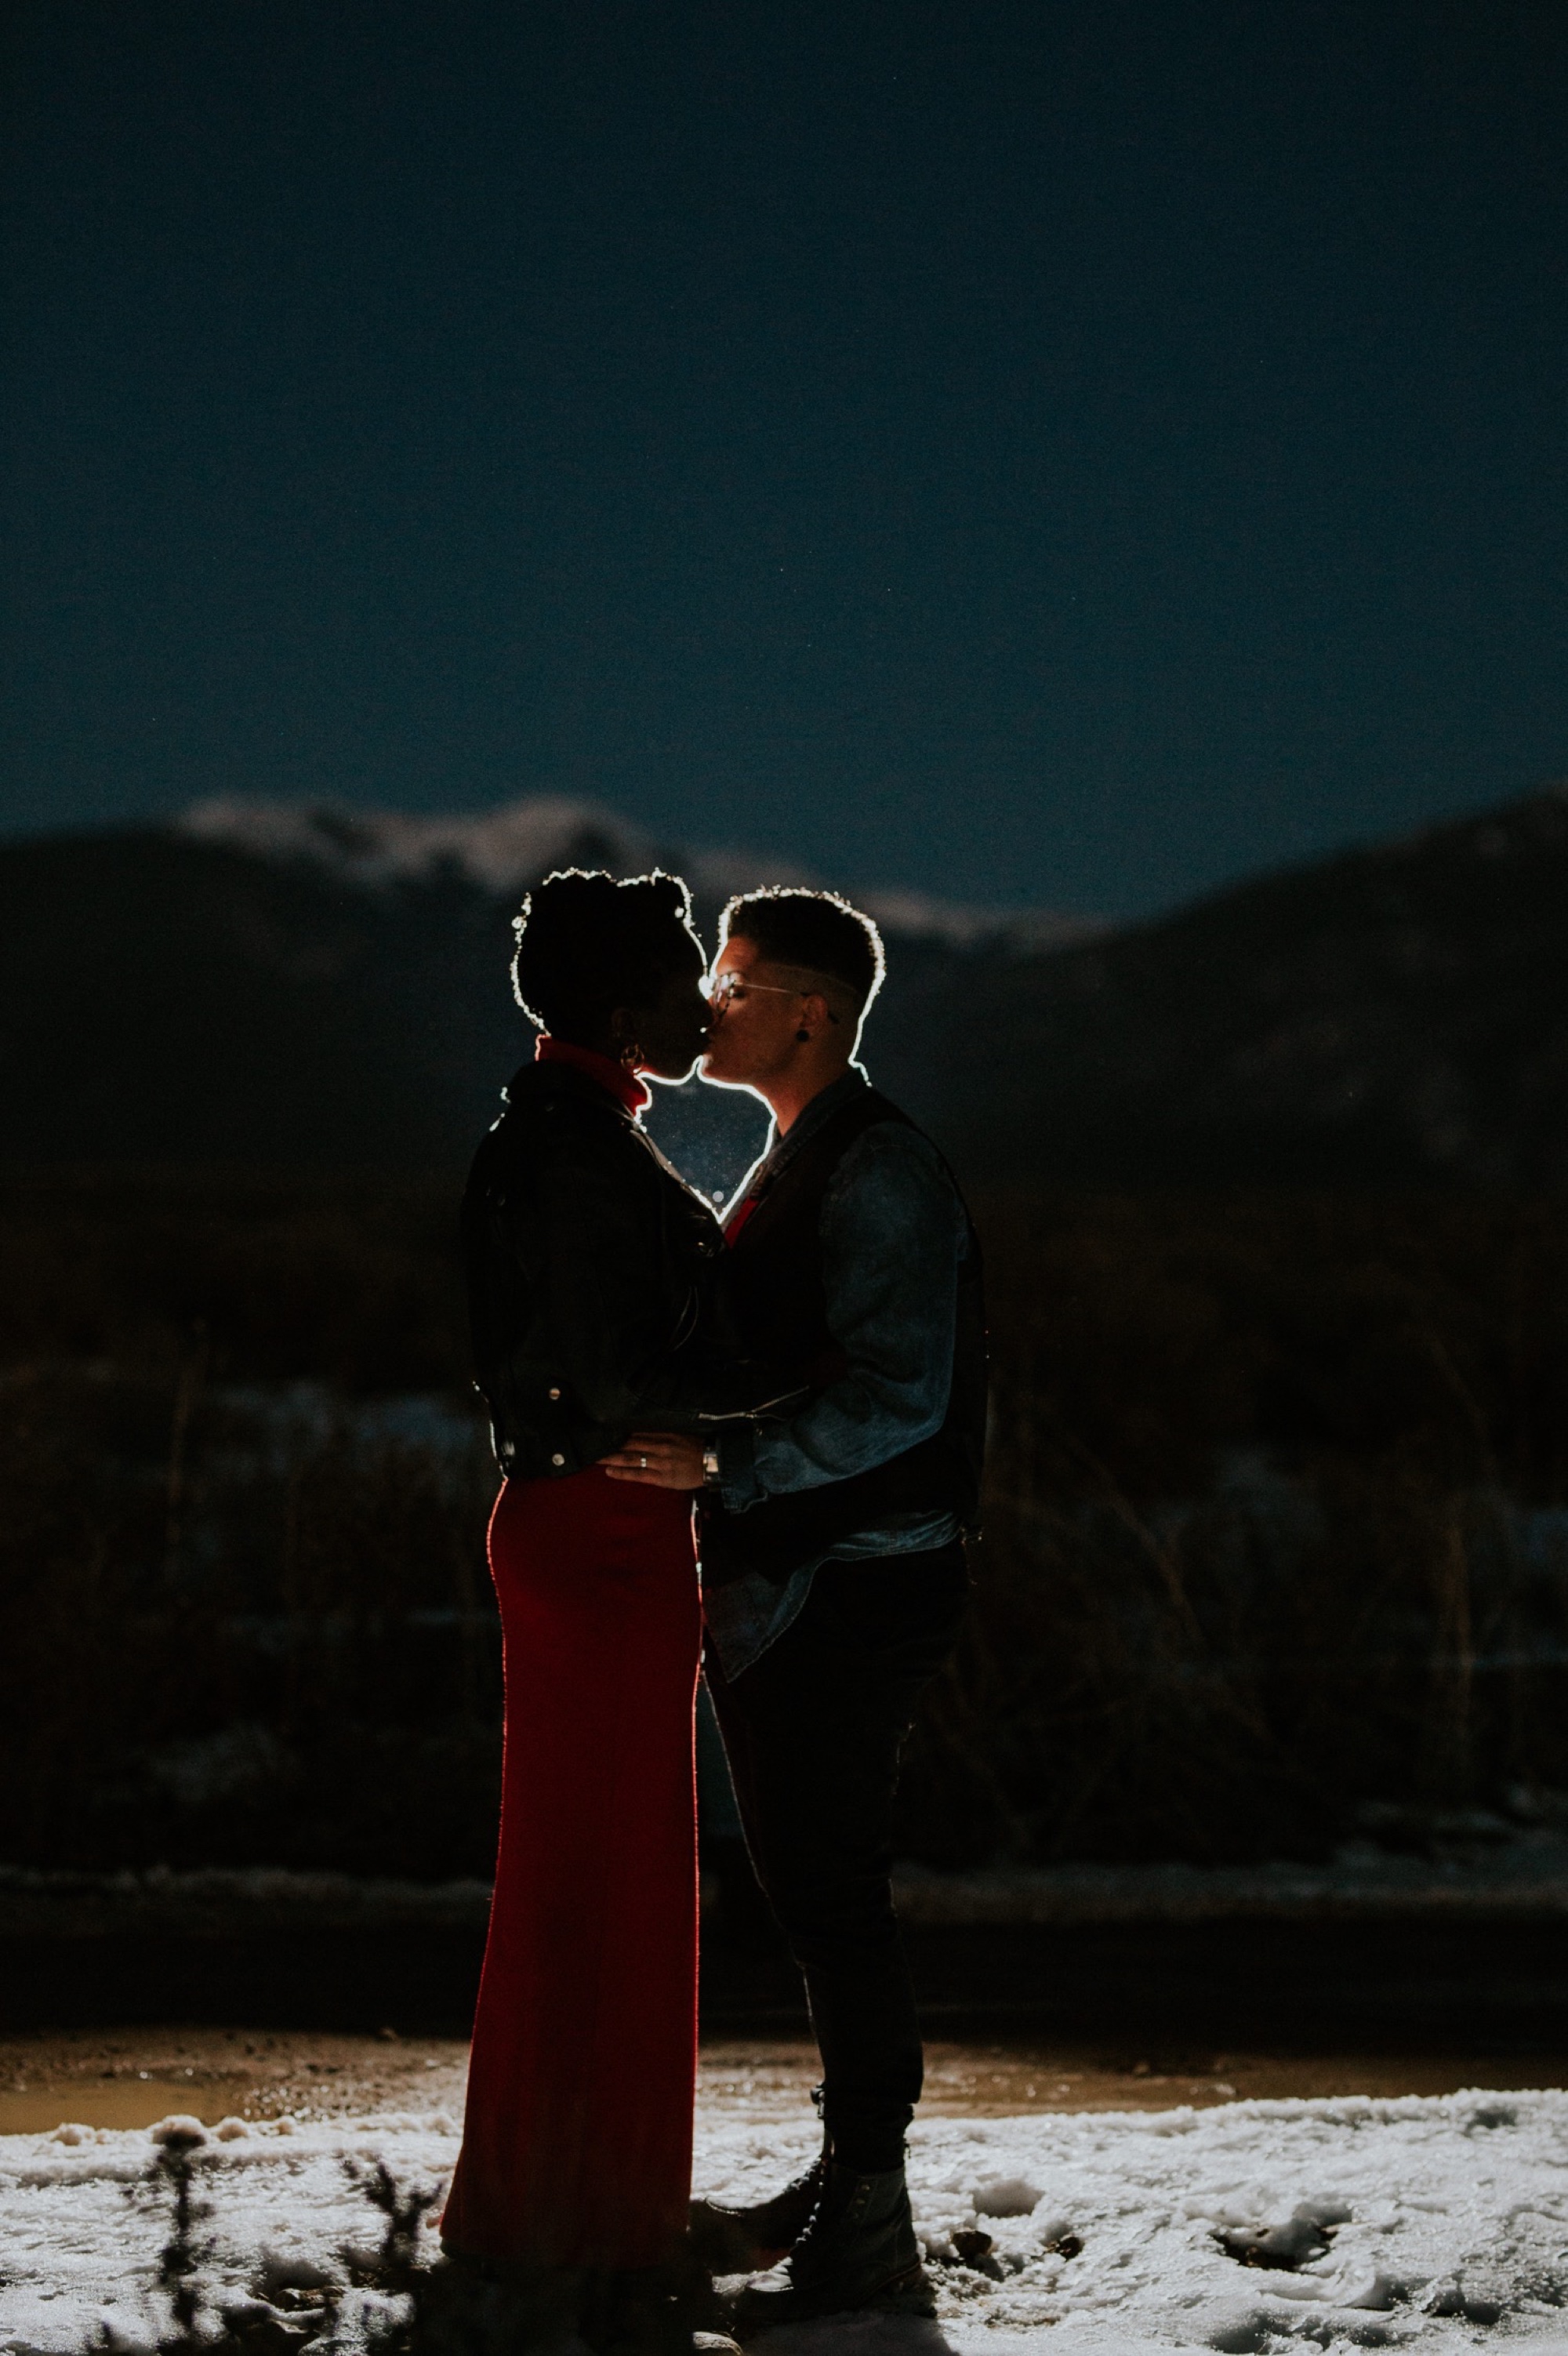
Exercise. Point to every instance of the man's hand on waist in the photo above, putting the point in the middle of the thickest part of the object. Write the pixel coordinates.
(658, 1460)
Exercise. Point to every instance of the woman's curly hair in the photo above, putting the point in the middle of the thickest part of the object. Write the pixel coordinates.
(587, 943)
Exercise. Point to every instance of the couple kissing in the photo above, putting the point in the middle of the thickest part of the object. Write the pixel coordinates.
(795, 1399)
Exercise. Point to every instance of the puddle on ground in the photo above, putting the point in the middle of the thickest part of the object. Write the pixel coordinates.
(137, 2101)
(976, 2081)
(131, 2078)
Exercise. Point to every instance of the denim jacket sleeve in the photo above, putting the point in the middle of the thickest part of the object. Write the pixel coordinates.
(892, 1232)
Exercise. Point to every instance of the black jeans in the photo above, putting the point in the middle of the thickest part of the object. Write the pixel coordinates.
(814, 1730)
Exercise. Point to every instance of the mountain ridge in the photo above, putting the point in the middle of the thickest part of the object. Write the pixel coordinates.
(1394, 1016)
(1395, 1013)
(503, 849)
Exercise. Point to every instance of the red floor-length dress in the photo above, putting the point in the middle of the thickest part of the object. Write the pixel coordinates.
(578, 2136)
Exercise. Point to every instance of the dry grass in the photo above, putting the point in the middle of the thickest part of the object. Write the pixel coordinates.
(1259, 1544)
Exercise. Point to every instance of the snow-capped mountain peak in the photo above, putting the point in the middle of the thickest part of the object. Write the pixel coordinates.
(503, 850)
(500, 850)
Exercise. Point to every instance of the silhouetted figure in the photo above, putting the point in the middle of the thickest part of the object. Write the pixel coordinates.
(593, 1274)
(833, 1573)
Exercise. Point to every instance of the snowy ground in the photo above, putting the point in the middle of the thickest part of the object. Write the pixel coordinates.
(1443, 2222)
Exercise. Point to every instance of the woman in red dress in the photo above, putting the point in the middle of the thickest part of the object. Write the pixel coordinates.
(593, 1275)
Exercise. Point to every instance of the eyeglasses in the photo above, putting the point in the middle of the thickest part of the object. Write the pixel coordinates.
(721, 991)
(721, 988)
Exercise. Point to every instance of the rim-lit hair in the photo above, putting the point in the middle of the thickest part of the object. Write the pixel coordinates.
(814, 932)
(587, 943)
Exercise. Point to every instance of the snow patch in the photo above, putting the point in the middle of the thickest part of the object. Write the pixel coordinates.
(503, 850)
(1006, 2196)
(1259, 2226)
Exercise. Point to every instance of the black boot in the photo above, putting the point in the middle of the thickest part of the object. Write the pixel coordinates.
(734, 2241)
(857, 2249)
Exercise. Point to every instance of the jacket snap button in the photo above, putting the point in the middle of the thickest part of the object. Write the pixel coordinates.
(558, 1458)
(554, 1392)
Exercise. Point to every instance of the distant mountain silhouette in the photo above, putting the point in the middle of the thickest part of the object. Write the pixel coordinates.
(503, 850)
(268, 984)
(1392, 1016)
(264, 985)
(167, 999)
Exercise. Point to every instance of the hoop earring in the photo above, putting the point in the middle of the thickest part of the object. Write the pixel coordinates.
(630, 1055)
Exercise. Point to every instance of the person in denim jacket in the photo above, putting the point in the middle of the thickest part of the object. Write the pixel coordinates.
(833, 1573)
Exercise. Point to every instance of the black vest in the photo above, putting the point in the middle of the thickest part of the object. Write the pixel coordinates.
(775, 1273)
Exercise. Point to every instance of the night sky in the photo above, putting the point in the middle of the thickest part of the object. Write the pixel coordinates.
(1059, 453)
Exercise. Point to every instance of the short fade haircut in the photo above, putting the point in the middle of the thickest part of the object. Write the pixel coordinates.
(816, 932)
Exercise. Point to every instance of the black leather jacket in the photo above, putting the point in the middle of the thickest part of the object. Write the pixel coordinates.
(595, 1281)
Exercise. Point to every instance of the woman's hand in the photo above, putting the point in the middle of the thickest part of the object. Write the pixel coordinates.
(660, 1460)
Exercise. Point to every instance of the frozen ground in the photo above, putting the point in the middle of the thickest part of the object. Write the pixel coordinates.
(130, 2076)
(1439, 2221)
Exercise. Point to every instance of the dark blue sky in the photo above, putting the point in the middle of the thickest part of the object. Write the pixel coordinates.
(1071, 453)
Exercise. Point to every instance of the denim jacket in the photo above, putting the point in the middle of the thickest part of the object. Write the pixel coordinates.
(892, 1232)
